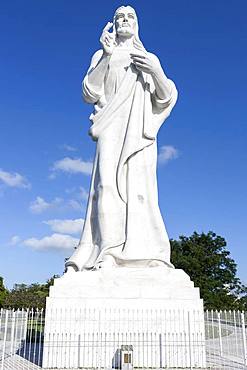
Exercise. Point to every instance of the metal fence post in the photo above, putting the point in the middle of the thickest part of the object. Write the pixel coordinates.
(244, 338)
(220, 334)
(161, 354)
(189, 334)
(4, 337)
(79, 350)
(12, 340)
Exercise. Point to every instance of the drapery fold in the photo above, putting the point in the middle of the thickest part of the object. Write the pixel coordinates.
(123, 219)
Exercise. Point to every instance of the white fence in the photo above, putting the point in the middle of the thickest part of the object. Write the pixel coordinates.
(22, 343)
(93, 338)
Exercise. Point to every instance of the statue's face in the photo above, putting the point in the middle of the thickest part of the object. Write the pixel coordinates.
(125, 22)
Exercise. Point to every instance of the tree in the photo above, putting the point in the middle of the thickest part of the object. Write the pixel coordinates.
(34, 295)
(206, 260)
(3, 292)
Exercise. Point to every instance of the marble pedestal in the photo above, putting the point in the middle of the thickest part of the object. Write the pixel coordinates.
(157, 312)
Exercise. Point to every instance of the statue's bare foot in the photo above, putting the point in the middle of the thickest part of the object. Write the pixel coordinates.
(108, 262)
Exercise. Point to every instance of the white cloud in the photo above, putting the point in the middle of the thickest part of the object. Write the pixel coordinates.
(167, 153)
(83, 193)
(14, 180)
(70, 190)
(71, 165)
(14, 240)
(73, 203)
(52, 176)
(66, 226)
(69, 148)
(54, 241)
(40, 205)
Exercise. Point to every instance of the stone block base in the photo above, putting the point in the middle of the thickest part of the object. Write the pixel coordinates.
(156, 313)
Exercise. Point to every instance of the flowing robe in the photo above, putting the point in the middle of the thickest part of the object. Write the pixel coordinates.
(123, 219)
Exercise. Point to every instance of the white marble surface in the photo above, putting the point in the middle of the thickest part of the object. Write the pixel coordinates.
(160, 283)
(124, 303)
(132, 97)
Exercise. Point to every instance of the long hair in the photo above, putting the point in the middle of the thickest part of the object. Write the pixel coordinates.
(136, 41)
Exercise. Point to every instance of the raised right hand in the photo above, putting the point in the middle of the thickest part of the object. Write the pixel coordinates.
(107, 40)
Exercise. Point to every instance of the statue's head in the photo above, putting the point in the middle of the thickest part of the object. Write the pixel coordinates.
(125, 23)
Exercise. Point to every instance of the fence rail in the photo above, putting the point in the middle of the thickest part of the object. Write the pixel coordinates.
(22, 343)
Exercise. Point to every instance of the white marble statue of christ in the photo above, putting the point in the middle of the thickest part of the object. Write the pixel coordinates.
(132, 97)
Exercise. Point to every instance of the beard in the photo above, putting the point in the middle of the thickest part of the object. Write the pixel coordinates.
(125, 31)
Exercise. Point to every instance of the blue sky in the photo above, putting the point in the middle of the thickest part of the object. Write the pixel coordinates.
(46, 154)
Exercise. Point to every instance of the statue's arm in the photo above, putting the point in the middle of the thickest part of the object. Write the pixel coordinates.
(92, 89)
(96, 75)
(163, 89)
(93, 84)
